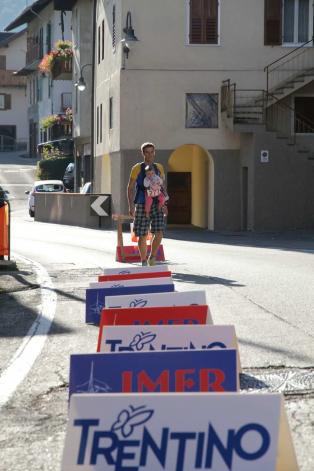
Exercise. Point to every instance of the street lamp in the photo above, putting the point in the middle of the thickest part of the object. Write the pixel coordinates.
(81, 84)
(129, 35)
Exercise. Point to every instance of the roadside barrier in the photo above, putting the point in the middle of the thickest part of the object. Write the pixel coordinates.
(130, 253)
(5, 222)
(153, 339)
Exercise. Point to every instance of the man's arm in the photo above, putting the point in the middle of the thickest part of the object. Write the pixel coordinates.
(130, 194)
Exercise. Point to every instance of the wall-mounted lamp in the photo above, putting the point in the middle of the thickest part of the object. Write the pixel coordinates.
(81, 84)
(129, 35)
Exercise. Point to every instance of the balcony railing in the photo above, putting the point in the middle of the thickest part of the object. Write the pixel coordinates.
(61, 130)
(32, 53)
(257, 107)
(7, 79)
(62, 69)
(290, 67)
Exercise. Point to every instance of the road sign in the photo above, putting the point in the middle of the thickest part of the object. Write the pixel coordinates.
(100, 205)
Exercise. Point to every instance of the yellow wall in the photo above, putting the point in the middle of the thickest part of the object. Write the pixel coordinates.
(106, 174)
(194, 159)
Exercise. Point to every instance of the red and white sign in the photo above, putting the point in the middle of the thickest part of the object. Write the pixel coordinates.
(132, 269)
(168, 315)
(134, 276)
(132, 282)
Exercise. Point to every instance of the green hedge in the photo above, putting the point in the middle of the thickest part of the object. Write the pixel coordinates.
(52, 169)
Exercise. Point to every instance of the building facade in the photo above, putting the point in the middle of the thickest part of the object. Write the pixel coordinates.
(48, 94)
(211, 84)
(82, 38)
(13, 102)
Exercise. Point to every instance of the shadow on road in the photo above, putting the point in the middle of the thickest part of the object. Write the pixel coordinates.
(16, 317)
(203, 279)
(288, 353)
(294, 240)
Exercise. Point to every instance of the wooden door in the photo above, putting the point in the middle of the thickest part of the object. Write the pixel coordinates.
(180, 202)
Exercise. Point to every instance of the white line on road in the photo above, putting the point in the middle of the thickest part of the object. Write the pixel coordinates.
(33, 342)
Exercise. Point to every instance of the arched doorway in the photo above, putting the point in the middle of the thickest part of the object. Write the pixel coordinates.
(190, 182)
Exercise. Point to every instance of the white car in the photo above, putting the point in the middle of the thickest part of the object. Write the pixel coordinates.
(43, 186)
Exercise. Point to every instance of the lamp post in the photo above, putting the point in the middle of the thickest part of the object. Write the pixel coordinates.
(129, 35)
(81, 84)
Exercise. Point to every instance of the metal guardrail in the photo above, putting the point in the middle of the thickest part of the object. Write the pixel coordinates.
(290, 66)
(259, 107)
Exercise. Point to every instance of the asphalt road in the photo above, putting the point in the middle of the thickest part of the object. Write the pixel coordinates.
(262, 283)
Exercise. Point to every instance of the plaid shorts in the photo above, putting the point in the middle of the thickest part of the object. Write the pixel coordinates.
(142, 223)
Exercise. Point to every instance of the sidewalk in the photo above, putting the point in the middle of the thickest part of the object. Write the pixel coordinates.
(15, 277)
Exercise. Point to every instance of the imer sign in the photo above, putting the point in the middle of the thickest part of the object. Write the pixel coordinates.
(215, 432)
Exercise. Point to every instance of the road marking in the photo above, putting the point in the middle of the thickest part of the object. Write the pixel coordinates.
(33, 342)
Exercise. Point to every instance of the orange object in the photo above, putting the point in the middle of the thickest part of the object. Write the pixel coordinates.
(134, 238)
(4, 229)
(130, 253)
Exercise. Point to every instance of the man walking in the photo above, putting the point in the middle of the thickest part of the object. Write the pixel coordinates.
(137, 205)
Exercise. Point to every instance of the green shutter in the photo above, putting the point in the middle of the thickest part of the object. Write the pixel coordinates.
(7, 102)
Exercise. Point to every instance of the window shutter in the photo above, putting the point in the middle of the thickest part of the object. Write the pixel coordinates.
(2, 62)
(7, 102)
(196, 20)
(211, 21)
(273, 16)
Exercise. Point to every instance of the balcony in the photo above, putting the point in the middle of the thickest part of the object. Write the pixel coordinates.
(66, 101)
(8, 79)
(33, 52)
(59, 131)
(62, 69)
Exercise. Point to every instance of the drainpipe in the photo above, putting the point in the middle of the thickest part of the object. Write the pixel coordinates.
(93, 99)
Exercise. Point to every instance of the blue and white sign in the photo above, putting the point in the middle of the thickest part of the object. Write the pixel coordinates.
(176, 371)
(95, 298)
(184, 298)
(166, 280)
(116, 339)
(178, 432)
(125, 270)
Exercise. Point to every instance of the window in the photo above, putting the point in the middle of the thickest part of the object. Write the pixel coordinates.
(304, 114)
(114, 26)
(296, 21)
(97, 124)
(288, 21)
(111, 112)
(201, 110)
(98, 44)
(203, 22)
(48, 38)
(41, 43)
(102, 39)
(5, 101)
(3, 61)
(100, 123)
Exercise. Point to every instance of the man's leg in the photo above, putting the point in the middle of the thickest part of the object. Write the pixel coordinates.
(156, 243)
(142, 247)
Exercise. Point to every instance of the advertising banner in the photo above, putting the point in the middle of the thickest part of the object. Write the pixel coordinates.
(132, 282)
(184, 298)
(132, 269)
(134, 276)
(178, 432)
(133, 338)
(95, 298)
(176, 371)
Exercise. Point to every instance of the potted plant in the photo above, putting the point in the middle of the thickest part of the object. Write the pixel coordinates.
(58, 61)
